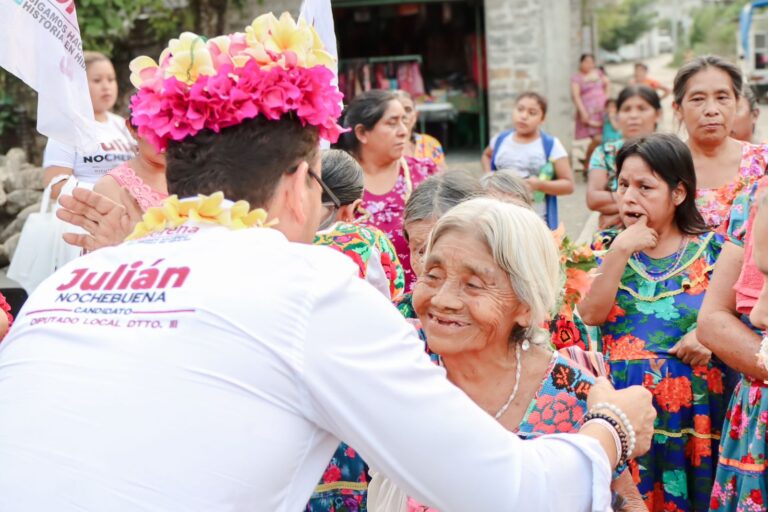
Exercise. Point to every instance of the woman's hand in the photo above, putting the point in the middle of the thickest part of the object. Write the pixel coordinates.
(584, 118)
(690, 351)
(635, 402)
(107, 222)
(636, 237)
(533, 183)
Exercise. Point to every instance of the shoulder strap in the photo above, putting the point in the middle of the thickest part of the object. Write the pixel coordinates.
(548, 142)
(499, 141)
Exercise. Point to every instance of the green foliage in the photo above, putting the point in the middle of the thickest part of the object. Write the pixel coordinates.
(715, 29)
(103, 23)
(623, 22)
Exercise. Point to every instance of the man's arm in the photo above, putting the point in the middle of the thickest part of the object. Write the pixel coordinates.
(369, 382)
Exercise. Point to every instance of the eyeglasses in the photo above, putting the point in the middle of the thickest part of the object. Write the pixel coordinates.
(333, 205)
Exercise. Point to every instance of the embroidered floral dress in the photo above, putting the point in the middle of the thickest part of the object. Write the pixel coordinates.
(648, 318)
(559, 405)
(715, 203)
(386, 210)
(343, 486)
(426, 146)
(741, 482)
(145, 196)
(604, 159)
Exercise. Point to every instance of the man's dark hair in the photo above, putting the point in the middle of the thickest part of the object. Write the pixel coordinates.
(244, 161)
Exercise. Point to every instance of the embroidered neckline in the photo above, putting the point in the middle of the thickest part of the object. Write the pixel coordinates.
(213, 209)
(686, 284)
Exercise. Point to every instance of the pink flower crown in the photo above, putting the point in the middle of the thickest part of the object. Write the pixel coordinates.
(276, 67)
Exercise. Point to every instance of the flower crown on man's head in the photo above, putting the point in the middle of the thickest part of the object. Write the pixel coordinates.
(276, 67)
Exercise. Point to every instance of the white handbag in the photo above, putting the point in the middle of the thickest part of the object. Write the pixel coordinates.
(41, 248)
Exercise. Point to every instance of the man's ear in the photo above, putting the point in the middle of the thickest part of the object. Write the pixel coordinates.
(295, 191)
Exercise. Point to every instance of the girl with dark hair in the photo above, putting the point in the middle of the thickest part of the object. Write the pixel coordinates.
(377, 138)
(706, 93)
(534, 155)
(646, 296)
(638, 113)
(589, 92)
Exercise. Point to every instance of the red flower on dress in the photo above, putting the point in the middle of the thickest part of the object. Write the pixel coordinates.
(736, 419)
(332, 474)
(714, 504)
(627, 347)
(349, 452)
(556, 414)
(715, 381)
(698, 277)
(565, 333)
(748, 459)
(756, 496)
(673, 393)
(615, 313)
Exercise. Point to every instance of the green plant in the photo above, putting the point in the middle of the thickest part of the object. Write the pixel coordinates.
(623, 22)
(103, 23)
(8, 118)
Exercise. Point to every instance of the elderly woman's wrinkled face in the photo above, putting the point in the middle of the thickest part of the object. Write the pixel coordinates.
(464, 299)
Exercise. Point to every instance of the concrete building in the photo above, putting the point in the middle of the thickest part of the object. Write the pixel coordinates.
(528, 44)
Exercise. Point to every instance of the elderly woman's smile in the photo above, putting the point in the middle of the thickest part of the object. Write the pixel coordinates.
(465, 300)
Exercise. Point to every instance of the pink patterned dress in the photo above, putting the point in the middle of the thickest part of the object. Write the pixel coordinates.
(715, 203)
(386, 211)
(145, 196)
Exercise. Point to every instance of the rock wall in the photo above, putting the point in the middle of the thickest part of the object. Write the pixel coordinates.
(532, 45)
(21, 189)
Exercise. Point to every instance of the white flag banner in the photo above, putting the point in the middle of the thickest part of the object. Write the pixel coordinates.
(40, 43)
(319, 14)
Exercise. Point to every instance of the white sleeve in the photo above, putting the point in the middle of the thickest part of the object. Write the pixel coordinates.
(376, 276)
(369, 382)
(59, 154)
(558, 151)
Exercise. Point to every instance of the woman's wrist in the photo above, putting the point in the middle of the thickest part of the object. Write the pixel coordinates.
(605, 438)
(612, 410)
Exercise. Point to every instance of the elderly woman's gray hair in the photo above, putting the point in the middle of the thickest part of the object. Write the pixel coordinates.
(438, 194)
(343, 175)
(520, 244)
(505, 183)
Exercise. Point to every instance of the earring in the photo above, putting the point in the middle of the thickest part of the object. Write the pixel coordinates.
(526, 345)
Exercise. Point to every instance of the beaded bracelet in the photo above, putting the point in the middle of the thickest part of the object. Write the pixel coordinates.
(611, 429)
(624, 420)
(624, 452)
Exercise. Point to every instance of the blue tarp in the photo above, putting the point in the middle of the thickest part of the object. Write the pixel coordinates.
(745, 22)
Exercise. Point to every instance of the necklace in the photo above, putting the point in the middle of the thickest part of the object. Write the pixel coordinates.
(665, 273)
(512, 396)
(213, 209)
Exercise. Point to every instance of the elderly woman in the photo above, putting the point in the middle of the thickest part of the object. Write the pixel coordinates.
(507, 186)
(490, 278)
(377, 139)
(707, 91)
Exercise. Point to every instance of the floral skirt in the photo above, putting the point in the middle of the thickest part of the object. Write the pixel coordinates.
(344, 485)
(678, 472)
(741, 483)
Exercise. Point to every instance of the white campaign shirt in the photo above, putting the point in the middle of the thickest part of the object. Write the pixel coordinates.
(217, 370)
(88, 167)
(527, 159)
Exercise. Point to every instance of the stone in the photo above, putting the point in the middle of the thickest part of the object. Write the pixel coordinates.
(10, 246)
(20, 199)
(29, 177)
(14, 159)
(17, 224)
